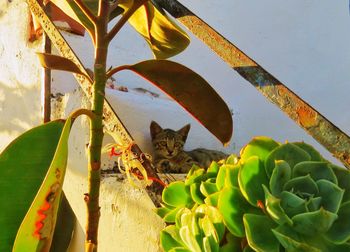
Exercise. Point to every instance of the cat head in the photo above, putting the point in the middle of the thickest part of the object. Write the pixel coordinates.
(168, 143)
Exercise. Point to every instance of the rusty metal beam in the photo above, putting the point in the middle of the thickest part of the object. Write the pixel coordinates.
(318, 126)
(112, 122)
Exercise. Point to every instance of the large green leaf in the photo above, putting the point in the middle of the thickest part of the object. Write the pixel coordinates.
(163, 35)
(191, 91)
(64, 227)
(37, 228)
(23, 165)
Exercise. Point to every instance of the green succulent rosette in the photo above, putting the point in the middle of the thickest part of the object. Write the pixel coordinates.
(275, 197)
(303, 198)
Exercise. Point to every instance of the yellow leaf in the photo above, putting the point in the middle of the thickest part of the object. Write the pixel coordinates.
(163, 35)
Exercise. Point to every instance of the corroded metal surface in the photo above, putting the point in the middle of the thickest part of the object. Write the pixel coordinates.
(111, 121)
(319, 127)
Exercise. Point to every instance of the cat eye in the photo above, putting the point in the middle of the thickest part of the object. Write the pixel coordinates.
(162, 143)
(177, 144)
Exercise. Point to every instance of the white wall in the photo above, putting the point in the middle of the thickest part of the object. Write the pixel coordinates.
(19, 73)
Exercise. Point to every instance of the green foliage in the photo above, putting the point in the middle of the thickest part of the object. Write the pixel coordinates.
(37, 228)
(276, 197)
(23, 166)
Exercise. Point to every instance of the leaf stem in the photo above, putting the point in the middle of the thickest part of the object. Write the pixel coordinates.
(80, 112)
(86, 11)
(124, 19)
(111, 72)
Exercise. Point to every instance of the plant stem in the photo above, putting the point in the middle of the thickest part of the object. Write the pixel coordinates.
(96, 130)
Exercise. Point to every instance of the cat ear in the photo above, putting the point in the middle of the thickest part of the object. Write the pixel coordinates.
(154, 129)
(184, 131)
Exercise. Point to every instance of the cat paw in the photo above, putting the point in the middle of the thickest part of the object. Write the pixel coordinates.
(164, 166)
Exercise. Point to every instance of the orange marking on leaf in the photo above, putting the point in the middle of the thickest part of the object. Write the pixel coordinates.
(261, 205)
(39, 224)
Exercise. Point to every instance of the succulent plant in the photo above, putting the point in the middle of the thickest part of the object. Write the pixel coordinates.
(274, 197)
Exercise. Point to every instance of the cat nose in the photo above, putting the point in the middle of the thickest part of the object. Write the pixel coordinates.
(170, 151)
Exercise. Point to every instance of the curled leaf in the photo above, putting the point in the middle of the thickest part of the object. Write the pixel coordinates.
(163, 35)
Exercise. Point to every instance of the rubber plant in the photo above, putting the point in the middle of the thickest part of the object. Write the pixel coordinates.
(274, 197)
(35, 175)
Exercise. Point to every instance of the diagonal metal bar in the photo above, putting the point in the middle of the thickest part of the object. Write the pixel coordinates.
(319, 127)
(112, 122)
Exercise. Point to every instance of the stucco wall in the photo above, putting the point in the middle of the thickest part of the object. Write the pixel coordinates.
(20, 95)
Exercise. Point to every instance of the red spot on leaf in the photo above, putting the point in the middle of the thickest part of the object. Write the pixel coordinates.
(39, 224)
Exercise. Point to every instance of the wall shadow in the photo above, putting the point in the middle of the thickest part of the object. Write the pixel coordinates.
(19, 108)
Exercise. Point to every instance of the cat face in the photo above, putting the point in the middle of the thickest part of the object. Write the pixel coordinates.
(168, 143)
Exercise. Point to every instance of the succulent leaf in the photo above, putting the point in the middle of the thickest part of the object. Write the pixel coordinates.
(280, 175)
(213, 170)
(292, 204)
(291, 241)
(259, 146)
(331, 195)
(171, 215)
(177, 194)
(343, 177)
(290, 153)
(162, 211)
(314, 223)
(215, 217)
(232, 160)
(231, 176)
(313, 204)
(250, 178)
(317, 171)
(274, 208)
(340, 230)
(212, 199)
(314, 154)
(220, 179)
(303, 186)
(207, 188)
(196, 194)
(232, 206)
(195, 175)
(233, 244)
(189, 239)
(259, 235)
(170, 238)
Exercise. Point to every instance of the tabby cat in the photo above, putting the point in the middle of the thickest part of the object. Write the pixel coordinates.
(169, 155)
